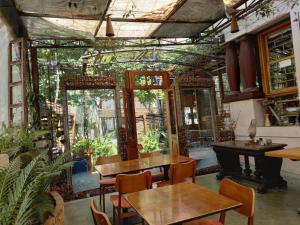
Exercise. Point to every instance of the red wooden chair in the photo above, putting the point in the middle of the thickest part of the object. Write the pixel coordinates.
(128, 183)
(179, 172)
(107, 182)
(99, 218)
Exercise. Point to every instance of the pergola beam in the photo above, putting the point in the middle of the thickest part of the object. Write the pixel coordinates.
(177, 51)
(130, 44)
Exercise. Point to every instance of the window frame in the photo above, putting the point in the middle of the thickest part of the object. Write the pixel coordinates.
(265, 65)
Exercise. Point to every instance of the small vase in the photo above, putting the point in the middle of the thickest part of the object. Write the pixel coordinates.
(267, 120)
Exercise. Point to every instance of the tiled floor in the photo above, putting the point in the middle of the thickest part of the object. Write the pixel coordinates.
(277, 207)
(85, 181)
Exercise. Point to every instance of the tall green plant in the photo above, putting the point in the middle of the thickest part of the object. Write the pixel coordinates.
(22, 190)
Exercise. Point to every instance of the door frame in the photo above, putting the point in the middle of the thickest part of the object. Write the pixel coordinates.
(131, 84)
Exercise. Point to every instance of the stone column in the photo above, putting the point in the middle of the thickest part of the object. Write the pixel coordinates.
(248, 63)
(232, 68)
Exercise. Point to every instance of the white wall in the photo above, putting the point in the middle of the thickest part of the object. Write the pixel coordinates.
(250, 109)
(5, 37)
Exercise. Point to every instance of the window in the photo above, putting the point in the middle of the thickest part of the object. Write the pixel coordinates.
(277, 60)
(281, 105)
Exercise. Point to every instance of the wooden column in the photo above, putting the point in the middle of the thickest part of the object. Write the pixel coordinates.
(232, 68)
(35, 83)
(248, 63)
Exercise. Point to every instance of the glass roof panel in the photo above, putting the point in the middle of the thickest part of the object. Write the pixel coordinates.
(129, 29)
(131, 18)
(63, 8)
(141, 8)
(41, 28)
(199, 11)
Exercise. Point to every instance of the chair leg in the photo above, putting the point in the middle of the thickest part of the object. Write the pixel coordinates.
(103, 198)
(114, 215)
(251, 220)
(119, 216)
(100, 197)
(222, 217)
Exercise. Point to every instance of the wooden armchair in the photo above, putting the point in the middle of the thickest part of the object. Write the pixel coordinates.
(240, 193)
(179, 172)
(128, 183)
(98, 217)
(108, 182)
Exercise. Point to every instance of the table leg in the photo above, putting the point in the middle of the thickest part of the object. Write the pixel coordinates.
(166, 172)
(247, 169)
(229, 164)
(271, 174)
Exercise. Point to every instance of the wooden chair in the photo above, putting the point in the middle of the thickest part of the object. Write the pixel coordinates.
(108, 182)
(128, 183)
(240, 193)
(156, 176)
(179, 172)
(98, 217)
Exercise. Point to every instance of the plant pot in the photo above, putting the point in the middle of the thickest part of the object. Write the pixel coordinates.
(80, 165)
(57, 217)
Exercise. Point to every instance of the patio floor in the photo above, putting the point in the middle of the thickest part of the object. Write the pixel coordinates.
(277, 207)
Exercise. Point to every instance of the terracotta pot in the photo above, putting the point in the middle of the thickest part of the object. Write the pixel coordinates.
(57, 217)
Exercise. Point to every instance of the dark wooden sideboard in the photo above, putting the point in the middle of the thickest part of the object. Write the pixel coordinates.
(267, 169)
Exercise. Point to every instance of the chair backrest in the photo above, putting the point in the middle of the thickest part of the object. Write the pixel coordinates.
(240, 193)
(149, 154)
(128, 183)
(180, 171)
(108, 159)
(99, 218)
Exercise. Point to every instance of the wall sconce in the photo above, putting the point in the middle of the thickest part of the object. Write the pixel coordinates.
(109, 28)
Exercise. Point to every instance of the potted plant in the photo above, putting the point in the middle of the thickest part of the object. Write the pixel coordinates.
(25, 181)
(82, 154)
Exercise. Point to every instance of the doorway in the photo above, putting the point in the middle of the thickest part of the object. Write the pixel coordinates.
(143, 92)
(198, 121)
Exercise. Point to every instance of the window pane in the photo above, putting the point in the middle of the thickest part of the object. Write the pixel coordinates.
(281, 60)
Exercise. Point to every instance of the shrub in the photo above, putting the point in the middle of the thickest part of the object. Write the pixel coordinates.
(103, 146)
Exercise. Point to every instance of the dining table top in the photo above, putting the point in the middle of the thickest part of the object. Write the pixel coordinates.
(178, 203)
(291, 153)
(139, 164)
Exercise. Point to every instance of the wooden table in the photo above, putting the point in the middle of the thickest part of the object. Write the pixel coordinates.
(141, 164)
(292, 154)
(267, 170)
(178, 203)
